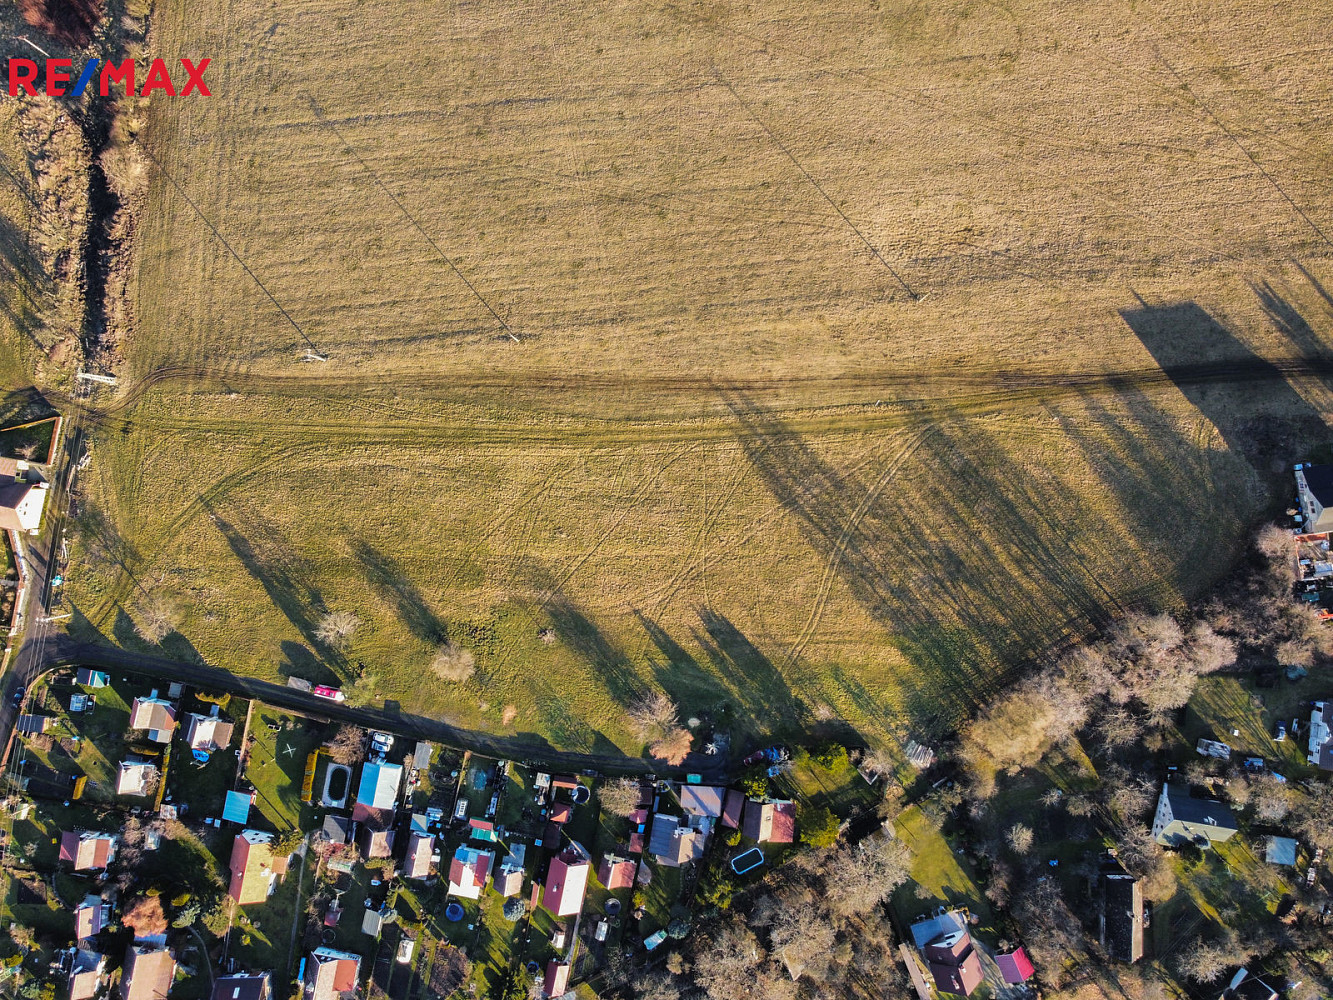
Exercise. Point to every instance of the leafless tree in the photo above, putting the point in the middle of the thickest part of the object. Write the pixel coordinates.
(619, 797)
(653, 715)
(673, 747)
(1316, 814)
(452, 662)
(802, 938)
(347, 745)
(336, 628)
(1019, 838)
(860, 878)
(154, 622)
(1275, 542)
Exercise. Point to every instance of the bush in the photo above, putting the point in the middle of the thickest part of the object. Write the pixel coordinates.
(819, 827)
(830, 756)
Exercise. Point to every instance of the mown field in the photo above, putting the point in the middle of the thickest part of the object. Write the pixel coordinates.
(670, 328)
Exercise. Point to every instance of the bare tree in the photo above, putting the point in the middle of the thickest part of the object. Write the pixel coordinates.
(653, 715)
(673, 747)
(1275, 542)
(1019, 838)
(336, 628)
(1316, 814)
(860, 878)
(347, 745)
(154, 622)
(802, 938)
(452, 662)
(619, 797)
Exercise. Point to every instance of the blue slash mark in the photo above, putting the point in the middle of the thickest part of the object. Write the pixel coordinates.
(88, 70)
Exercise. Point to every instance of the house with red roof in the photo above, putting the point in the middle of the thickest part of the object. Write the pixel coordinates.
(254, 868)
(331, 974)
(617, 873)
(772, 822)
(86, 972)
(86, 850)
(147, 973)
(567, 881)
(89, 917)
(468, 871)
(1015, 967)
(556, 981)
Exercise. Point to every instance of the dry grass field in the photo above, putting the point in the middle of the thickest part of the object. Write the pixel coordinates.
(671, 328)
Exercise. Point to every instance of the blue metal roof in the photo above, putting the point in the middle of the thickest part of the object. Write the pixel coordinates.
(237, 807)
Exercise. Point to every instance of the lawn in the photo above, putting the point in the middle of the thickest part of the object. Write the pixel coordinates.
(30, 440)
(1221, 705)
(840, 788)
(276, 767)
(761, 266)
(941, 873)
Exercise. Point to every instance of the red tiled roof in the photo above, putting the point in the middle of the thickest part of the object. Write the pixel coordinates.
(616, 873)
(561, 812)
(731, 809)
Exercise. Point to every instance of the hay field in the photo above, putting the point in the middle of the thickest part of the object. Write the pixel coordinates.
(667, 327)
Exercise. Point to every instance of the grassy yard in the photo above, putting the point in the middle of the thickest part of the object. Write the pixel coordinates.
(840, 789)
(276, 767)
(941, 873)
(31, 441)
(1223, 705)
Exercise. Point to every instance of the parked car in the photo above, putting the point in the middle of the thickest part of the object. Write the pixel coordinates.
(331, 694)
(1281, 736)
(19, 695)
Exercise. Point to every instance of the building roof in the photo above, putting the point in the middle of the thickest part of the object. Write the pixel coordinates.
(770, 822)
(335, 829)
(468, 871)
(89, 917)
(419, 850)
(1015, 966)
(31, 724)
(375, 843)
(1250, 988)
(702, 800)
(1321, 740)
(1319, 480)
(960, 979)
(508, 881)
(21, 505)
(242, 986)
(673, 843)
(421, 755)
(1122, 916)
(732, 808)
(253, 867)
(89, 677)
(236, 807)
(617, 873)
(1280, 851)
(148, 972)
(131, 776)
(208, 732)
(567, 881)
(87, 849)
(156, 715)
(377, 793)
(481, 829)
(1180, 816)
(556, 981)
(330, 973)
(85, 974)
(925, 931)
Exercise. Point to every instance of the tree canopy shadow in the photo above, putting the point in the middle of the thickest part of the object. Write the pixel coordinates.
(385, 574)
(1267, 428)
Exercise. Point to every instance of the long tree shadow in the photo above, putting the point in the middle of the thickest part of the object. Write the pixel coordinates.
(285, 576)
(681, 675)
(758, 686)
(1266, 427)
(972, 571)
(385, 574)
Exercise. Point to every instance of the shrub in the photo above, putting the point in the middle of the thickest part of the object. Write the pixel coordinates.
(819, 827)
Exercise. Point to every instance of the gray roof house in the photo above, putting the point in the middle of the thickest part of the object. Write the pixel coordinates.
(1182, 819)
(1122, 915)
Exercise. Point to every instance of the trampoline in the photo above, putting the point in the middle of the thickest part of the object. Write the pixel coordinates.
(580, 794)
(612, 907)
(453, 913)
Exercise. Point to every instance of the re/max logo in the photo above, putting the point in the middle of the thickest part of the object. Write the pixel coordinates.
(23, 77)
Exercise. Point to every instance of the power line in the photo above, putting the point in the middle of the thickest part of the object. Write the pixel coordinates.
(223, 240)
(319, 114)
(816, 185)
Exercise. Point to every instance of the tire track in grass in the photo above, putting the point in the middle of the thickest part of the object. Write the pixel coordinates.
(840, 546)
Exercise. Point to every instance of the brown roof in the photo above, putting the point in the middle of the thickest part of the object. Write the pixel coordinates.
(11, 495)
(731, 809)
(152, 713)
(508, 881)
(419, 850)
(557, 978)
(329, 973)
(85, 974)
(376, 843)
(149, 970)
(88, 918)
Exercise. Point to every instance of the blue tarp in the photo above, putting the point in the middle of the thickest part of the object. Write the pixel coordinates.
(237, 808)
